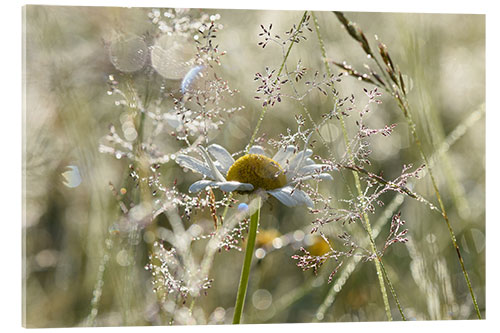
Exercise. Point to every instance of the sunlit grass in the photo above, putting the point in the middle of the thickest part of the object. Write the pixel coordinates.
(114, 236)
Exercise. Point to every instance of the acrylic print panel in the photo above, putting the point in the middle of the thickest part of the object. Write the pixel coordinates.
(192, 166)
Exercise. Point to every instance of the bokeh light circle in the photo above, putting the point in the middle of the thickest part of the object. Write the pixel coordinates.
(172, 56)
(128, 53)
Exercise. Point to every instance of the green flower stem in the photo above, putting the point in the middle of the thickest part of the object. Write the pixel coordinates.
(254, 220)
(245, 271)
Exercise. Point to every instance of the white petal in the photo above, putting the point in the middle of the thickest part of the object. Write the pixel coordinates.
(284, 196)
(297, 162)
(222, 156)
(283, 155)
(215, 172)
(194, 164)
(257, 150)
(200, 185)
(234, 186)
(320, 176)
(297, 198)
(309, 161)
(302, 198)
(308, 169)
(220, 167)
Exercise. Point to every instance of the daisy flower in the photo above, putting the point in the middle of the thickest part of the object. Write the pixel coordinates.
(278, 175)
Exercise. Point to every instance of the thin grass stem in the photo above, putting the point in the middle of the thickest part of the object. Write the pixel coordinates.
(406, 111)
(453, 137)
(381, 272)
(354, 261)
(398, 92)
(405, 108)
(282, 66)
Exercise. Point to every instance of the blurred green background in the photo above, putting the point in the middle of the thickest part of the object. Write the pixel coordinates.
(68, 111)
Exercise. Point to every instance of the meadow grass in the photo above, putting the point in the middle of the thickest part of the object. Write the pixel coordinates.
(142, 244)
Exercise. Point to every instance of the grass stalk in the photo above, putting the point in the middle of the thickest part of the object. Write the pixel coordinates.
(405, 108)
(397, 90)
(348, 268)
(406, 111)
(436, 132)
(453, 137)
(381, 273)
(354, 261)
(282, 66)
(247, 263)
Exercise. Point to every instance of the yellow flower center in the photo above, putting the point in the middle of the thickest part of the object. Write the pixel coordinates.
(258, 170)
